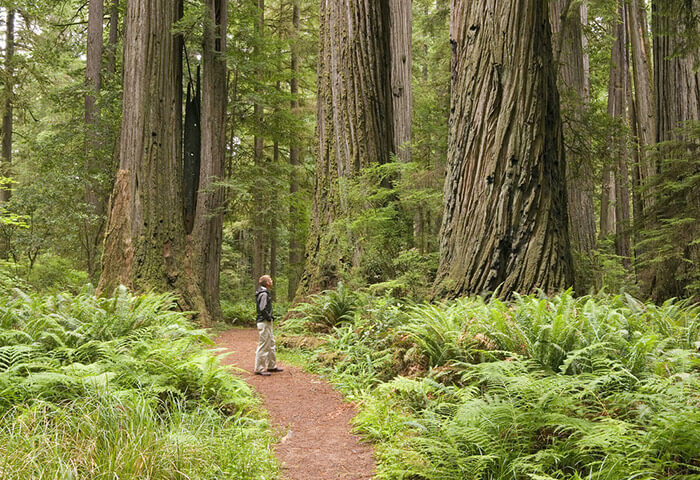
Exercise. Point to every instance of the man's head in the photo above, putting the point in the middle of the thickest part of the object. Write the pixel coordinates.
(265, 281)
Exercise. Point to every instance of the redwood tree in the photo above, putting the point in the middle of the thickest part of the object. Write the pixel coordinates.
(569, 55)
(93, 224)
(146, 246)
(355, 125)
(675, 253)
(505, 219)
(7, 115)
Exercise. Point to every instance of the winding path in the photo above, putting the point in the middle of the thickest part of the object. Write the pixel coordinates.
(309, 415)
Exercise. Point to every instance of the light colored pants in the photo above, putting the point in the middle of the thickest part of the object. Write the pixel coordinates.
(265, 356)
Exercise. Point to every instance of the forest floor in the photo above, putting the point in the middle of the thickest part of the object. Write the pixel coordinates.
(307, 414)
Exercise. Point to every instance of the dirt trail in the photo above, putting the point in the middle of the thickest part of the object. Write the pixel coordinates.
(309, 415)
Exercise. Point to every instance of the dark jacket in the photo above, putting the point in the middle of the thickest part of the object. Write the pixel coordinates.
(263, 305)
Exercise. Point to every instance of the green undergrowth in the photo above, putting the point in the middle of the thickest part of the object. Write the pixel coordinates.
(120, 388)
(538, 388)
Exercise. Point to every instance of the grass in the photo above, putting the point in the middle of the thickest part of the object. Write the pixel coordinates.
(539, 388)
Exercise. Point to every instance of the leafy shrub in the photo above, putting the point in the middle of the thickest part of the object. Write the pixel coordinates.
(56, 273)
(241, 312)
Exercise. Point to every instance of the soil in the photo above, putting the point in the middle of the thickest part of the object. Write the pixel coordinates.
(310, 417)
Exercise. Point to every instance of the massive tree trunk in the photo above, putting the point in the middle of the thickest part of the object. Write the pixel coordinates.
(146, 245)
(567, 42)
(401, 13)
(676, 78)
(296, 241)
(145, 240)
(676, 29)
(505, 221)
(7, 116)
(354, 128)
(204, 243)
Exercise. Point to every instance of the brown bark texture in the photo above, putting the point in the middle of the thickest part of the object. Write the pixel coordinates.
(675, 25)
(676, 77)
(258, 218)
(505, 220)
(401, 15)
(617, 109)
(144, 240)
(7, 114)
(205, 241)
(354, 127)
(572, 82)
(113, 36)
(296, 242)
(94, 197)
(644, 118)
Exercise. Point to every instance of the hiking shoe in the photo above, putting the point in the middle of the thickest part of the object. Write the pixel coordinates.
(276, 369)
(264, 374)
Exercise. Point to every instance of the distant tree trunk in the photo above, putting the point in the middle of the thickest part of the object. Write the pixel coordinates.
(258, 219)
(643, 125)
(505, 220)
(567, 37)
(113, 37)
(94, 223)
(7, 116)
(643, 94)
(145, 241)
(676, 78)
(608, 220)
(677, 100)
(617, 108)
(401, 14)
(355, 124)
(296, 242)
(274, 241)
(93, 70)
(204, 243)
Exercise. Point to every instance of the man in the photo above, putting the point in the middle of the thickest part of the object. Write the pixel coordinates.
(265, 357)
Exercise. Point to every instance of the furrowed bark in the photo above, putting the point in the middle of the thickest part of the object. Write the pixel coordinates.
(354, 128)
(572, 82)
(144, 240)
(7, 116)
(505, 221)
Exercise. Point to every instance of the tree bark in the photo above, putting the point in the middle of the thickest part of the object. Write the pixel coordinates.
(113, 37)
(7, 116)
(643, 95)
(296, 241)
(567, 39)
(677, 100)
(354, 127)
(676, 78)
(505, 220)
(94, 223)
(258, 217)
(401, 14)
(617, 109)
(204, 244)
(144, 240)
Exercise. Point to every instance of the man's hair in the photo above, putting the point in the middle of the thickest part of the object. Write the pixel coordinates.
(265, 280)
